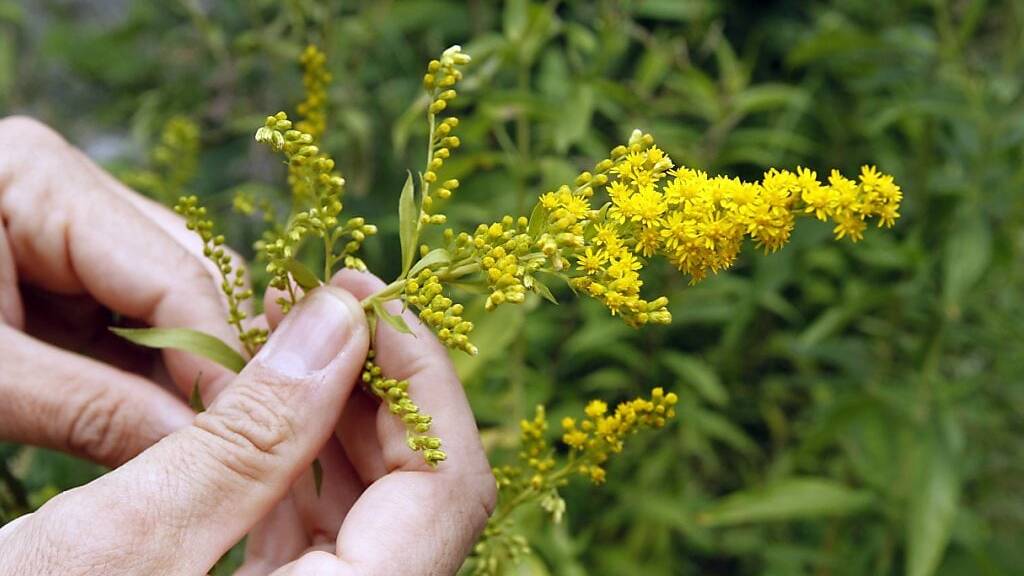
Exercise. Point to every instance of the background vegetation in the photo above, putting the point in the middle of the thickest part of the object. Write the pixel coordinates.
(845, 410)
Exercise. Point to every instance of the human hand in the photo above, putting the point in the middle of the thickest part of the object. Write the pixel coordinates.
(181, 504)
(75, 243)
(382, 509)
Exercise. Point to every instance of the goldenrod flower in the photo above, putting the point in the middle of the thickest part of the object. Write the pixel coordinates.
(395, 393)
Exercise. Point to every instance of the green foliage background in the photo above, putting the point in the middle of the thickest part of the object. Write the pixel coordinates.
(844, 409)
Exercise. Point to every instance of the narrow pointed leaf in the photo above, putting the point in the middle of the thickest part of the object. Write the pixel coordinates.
(193, 341)
(195, 400)
(302, 275)
(434, 257)
(408, 219)
(396, 322)
(545, 292)
(786, 500)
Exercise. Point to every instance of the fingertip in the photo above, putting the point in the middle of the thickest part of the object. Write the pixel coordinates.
(360, 284)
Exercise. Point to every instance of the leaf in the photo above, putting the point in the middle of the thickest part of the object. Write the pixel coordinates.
(318, 476)
(434, 257)
(186, 339)
(538, 218)
(545, 292)
(408, 218)
(933, 505)
(698, 374)
(195, 399)
(967, 256)
(498, 328)
(396, 322)
(302, 275)
(788, 499)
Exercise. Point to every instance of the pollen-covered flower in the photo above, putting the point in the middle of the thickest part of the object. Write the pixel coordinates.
(315, 79)
(395, 394)
(600, 434)
(425, 293)
(233, 281)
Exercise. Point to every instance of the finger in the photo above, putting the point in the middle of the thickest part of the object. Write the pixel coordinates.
(433, 385)
(78, 405)
(205, 486)
(451, 503)
(70, 233)
(10, 300)
(172, 224)
(278, 539)
(313, 519)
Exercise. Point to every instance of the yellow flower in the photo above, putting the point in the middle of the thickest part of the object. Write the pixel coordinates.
(590, 261)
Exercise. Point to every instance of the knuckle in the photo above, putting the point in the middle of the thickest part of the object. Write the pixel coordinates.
(96, 427)
(489, 492)
(26, 128)
(249, 428)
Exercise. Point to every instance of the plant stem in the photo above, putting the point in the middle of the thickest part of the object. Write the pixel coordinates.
(389, 292)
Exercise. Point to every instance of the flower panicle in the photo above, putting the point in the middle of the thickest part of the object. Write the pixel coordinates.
(395, 394)
(321, 193)
(315, 80)
(602, 433)
(654, 208)
(439, 82)
(233, 275)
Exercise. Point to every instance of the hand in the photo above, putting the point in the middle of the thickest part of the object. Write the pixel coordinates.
(181, 504)
(382, 509)
(79, 243)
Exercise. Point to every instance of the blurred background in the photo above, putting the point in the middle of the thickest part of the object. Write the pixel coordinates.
(845, 409)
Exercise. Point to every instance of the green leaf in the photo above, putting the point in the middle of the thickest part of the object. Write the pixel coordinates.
(788, 499)
(318, 476)
(396, 322)
(195, 399)
(408, 219)
(967, 255)
(302, 275)
(498, 328)
(186, 339)
(538, 218)
(545, 292)
(698, 374)
(933, 505)
(434, 257)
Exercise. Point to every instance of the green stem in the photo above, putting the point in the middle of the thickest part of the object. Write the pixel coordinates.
(389, 292)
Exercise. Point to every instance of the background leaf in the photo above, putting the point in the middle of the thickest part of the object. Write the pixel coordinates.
(786, 499)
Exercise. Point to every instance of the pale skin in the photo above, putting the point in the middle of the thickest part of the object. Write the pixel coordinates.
(75, 244)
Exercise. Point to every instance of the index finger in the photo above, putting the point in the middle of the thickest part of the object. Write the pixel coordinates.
(433, 516)
(70, 233)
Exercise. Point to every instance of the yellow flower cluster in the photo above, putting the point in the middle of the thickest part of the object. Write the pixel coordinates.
(538, 475)
(233, 281)
(697, 222)
(425, 293)
(503, 252)
(315, 79)
(601, 433)
(323, 188)
(173, 162)
(395, 393)
(534, 449)
(439, 81)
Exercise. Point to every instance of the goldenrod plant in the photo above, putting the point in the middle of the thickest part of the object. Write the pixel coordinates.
(597, 234)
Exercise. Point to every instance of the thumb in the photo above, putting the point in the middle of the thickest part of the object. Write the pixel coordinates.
(184, 502)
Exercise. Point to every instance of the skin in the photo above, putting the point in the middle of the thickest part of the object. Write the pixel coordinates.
(75, 245)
